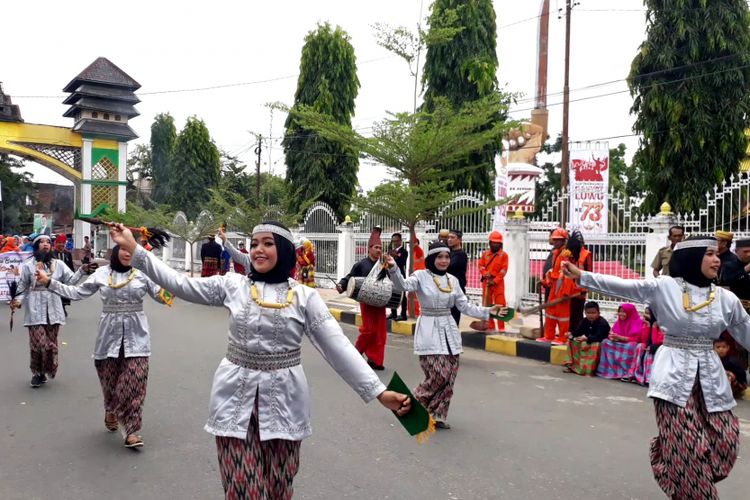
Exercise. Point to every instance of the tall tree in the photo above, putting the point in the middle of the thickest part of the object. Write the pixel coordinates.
(691, 84)
(15, 189)
(319, 168)
(163, 139)
(464, 69)
(194, 169)
(139, 176)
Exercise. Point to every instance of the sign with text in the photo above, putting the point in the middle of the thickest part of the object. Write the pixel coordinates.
(10, 270)
(589, 188)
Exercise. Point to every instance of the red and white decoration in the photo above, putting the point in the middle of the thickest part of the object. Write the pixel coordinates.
(589, 187)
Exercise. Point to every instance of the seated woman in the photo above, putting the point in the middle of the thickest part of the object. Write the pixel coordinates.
(651, 339)
(583, 346)
(618, 350)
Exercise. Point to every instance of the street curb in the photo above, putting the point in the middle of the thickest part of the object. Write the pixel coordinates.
(498, 344)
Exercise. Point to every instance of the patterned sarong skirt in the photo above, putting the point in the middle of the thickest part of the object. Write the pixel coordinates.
(436, 390)
(695, 449)
(616, 359)
(582, 357)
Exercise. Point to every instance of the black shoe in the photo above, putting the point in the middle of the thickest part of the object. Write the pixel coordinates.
(374, 366)
(44, 378)
(439, 424)
(36, 381)
(393, 317)
(402, 318)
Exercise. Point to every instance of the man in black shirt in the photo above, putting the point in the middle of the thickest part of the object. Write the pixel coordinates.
(400, 255)
(210, 257)
(373, 332)
(458, 265)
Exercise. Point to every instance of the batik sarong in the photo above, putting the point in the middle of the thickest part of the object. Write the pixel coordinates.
(695, 449)
(43, 347)
(209, 267)
(436, 390)
(582, 357)
(642, 364)
(123, 382)
(255, 469)
(616, 359)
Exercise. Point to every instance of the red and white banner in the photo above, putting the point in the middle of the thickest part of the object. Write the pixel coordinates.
(589, 188)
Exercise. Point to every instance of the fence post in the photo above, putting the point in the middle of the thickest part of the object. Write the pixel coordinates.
(345, 254)
(517, 246)
(657, 238)
(166, 251)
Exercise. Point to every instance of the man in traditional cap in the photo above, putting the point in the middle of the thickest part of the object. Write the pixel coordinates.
(458, 266)
(660, 264)
(59, 253)
(731, 267)
(493, 266)
(43, 310)
(373, 332)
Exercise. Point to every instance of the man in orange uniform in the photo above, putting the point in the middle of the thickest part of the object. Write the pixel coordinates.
(417, 253)
(493, 266)
(557, 317)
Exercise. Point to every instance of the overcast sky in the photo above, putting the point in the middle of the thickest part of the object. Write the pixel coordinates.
(172, 46)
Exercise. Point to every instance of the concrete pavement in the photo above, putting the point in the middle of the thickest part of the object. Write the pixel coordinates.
(521, 429)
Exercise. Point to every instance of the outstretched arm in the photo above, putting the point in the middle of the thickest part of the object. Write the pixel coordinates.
(242, 259)
(638, 290)
(410, 284)
(76, 292)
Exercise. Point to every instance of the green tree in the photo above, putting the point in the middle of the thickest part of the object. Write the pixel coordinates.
(691, 84)
(138, 175)
(548, 187)
(414, 147)
(464, 69)
(163, 139)
(624, 180)
(15, 189)
(195, 168)
(319, 168)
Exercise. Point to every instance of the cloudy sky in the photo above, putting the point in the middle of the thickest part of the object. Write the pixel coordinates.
(243, 55)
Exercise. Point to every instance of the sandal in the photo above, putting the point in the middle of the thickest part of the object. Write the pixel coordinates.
(110, 422)
(133, 441)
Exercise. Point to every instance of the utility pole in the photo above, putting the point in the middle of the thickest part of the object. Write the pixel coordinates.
(258, 150)
(566, 107)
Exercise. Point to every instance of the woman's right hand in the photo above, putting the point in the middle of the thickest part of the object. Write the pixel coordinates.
(389, 262)
(15, 304)
(222, 234)
(42, 277)
(570, 270)
(123, 237)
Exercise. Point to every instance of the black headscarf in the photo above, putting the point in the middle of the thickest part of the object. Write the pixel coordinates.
(429, 262)
(114, 261)
(285, 259)
(575, 246)
(686, 262)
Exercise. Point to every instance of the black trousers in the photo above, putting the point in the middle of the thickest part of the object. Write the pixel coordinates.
(404, 308)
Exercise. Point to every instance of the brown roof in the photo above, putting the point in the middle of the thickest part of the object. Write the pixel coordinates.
(103, 71)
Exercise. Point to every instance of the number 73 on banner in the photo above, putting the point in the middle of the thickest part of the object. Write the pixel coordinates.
(592, 211)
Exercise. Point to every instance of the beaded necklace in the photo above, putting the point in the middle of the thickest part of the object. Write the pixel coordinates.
(271, 305)
(111, 284)
(437, 284)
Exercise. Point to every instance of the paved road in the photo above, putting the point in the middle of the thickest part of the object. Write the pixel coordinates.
(521, 429)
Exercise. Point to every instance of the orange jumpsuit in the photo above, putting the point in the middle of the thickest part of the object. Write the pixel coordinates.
(557, 317)
(493, 267)
(418, 255)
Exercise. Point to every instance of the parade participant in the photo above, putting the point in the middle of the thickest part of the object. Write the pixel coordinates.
(123, 341)
(239, 268)
(259, 409)
(305, 273)
(618, 351)
(698, 434)
(584, 261)
(27, 245)
(458, 267)
(660, 265)
(437, 340)
(59, 253)
(43, 310)
(373, 331)
(401, 256)
(736, 374)
(210, 257)
(583, 347)
(731, 267)
(740, 286)
(493, 266)
(557, 316)
(417, 254)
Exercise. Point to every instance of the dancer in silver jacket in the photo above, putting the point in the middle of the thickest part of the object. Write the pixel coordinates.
(259, 409)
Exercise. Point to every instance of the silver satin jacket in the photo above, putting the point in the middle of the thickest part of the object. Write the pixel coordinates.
(674, 370)
(437, 334)
(283, 395)
(128, 326)
(40, 306)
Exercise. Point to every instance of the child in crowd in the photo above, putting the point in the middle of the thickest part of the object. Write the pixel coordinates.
(618, 350)
(583, 344)
(651, 339)
(735, 372)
